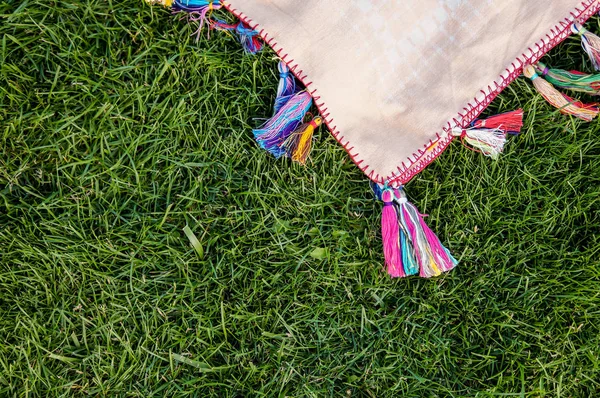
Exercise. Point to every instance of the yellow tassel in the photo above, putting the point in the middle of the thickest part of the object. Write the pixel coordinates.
(299, 143)
(557, 99)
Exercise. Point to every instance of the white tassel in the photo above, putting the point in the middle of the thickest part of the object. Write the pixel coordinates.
(490, 142)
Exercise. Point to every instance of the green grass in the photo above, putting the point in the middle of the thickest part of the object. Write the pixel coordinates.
(117, 130)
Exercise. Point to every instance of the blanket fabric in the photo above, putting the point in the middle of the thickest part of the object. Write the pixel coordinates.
(391, 78)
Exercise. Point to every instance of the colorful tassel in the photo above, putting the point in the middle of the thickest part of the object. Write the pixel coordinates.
(570, 80)
(431, 256)
(276, 130)
(298, 145)
(249, 38)
(564, 103)
(198, 10)
(590, 43)
(390, 235)
(287, 85)
(420, 249)
(488, 136)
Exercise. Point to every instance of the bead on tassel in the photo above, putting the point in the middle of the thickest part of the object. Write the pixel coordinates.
(555, 98)
(248, 37)
(590, 43)
(287, 85)
(570, 80)
(431, 256)
(299, 143)
(275, 131)
(390, 235)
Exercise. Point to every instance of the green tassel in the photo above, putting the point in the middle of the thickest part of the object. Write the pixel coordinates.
(570, 80)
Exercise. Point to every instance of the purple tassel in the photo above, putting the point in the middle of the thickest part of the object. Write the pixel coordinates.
(274, 132)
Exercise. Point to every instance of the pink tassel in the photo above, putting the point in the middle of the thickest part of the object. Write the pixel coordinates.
(390, 235)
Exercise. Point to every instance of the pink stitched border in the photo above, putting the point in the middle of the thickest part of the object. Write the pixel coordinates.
(436, 146)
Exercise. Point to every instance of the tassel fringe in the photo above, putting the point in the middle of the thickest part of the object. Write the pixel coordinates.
(390, 234)
(570, 80)
(276, 130)
(410, 247)
(287, 85)
(509, 122)
(284, 133)
(248, 37)
(590, 43)
(198, 10)
(298, 145)
(490, 142)
(433, 258)
(488, 136)
(564, 103)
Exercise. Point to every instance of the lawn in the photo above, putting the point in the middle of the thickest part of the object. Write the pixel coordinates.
(118, 129)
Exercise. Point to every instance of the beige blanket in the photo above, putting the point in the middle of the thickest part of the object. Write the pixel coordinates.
(392, 77)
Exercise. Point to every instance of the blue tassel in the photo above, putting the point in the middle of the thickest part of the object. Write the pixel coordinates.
(287, 85)
(408, 256)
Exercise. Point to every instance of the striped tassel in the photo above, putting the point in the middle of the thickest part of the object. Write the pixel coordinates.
(488, 136)
(276, 130)
(431, 256)
(390, 231)
(564, 103)
(590, 43)
(287, 85)
(570, 80)
(298, 145)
